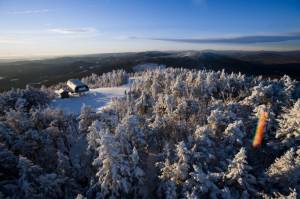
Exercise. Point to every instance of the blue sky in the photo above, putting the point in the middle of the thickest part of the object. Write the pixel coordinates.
(61, 27)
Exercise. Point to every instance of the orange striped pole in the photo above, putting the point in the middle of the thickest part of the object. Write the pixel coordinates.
(260, 129)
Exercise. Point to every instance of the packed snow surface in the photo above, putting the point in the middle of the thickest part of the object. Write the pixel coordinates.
(95, 98)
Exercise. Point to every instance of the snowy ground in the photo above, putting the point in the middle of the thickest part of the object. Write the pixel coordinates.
(95, 98)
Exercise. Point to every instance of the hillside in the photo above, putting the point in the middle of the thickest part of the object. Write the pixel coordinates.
(176, 133)
(52, 71)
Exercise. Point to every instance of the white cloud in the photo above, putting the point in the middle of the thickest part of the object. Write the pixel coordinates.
(72, 30)
(28, 12)
(11, 41)
(243, 39)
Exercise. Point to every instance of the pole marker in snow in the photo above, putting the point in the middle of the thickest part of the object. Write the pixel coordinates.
(263, 116)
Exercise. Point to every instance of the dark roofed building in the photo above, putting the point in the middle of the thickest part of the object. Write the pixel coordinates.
(76, 86)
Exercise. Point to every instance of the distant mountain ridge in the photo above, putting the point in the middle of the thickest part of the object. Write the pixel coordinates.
(53, 70)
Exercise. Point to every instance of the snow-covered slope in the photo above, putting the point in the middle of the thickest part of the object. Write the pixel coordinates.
(95, 98)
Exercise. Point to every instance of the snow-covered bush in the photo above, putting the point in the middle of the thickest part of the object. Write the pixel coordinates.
(23, 99)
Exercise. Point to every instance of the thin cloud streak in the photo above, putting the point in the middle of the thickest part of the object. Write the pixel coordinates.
(72, 30)
(235, 40)
(28, 12)
(11, 41)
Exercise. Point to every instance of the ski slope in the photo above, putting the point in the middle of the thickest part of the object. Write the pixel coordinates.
(95, 98)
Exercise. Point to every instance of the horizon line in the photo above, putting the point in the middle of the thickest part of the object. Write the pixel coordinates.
(38, 57)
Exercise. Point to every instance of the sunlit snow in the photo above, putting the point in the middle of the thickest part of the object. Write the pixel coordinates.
(95, 98)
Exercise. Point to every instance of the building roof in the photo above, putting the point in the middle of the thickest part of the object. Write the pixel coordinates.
(76, 82)
(77, 86)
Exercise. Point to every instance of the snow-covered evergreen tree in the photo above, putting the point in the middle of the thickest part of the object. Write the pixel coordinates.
(113, 170)
(137, 174)
(167, 187)
(182, 166)
(178, 88)
(199, 185)
(289, 125)
(134, 130)
(238, 176)
(235, 132)
(110, 79)
(87, 116)
(285, 171)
